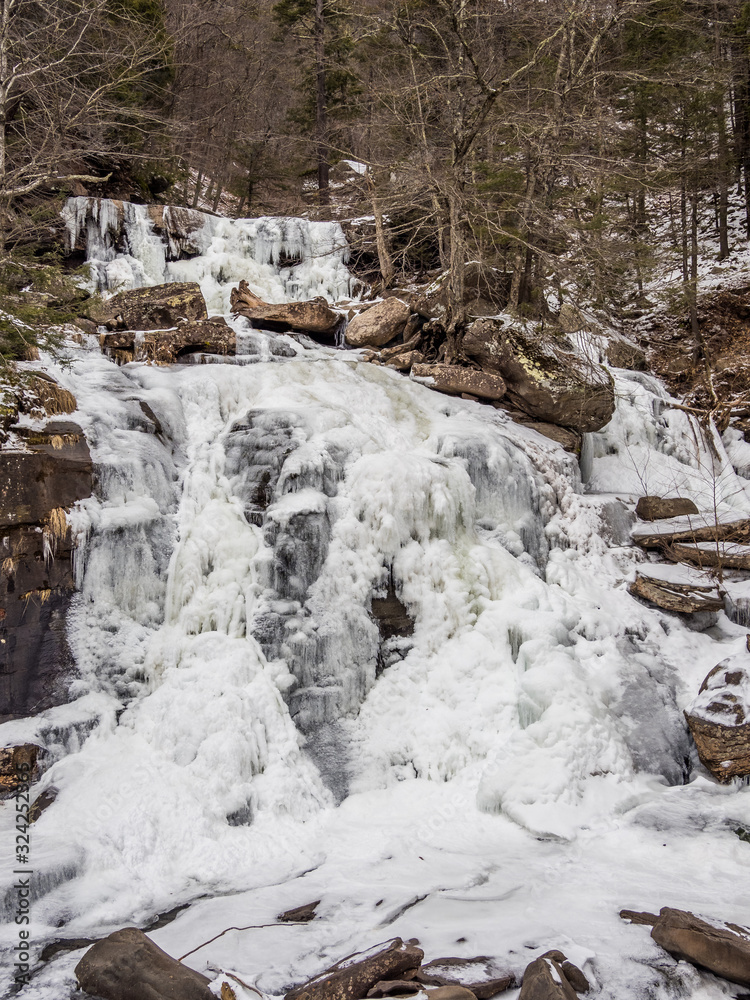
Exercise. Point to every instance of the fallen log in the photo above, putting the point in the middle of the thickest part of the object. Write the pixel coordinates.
(309, 316)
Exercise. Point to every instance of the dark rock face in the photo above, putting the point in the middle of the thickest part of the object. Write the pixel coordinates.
(127, 965)
(212, 336)
(723, 949)
(459, 381)
(543, 379)
(39, 484)
(353, 977)
(655, 508)
(157, 308)
(719, 719)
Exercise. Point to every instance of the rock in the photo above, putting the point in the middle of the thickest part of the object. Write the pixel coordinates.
(450, 993)
(543, 379)
(127, 964)
(212, 336)
(570, 318)
(701, 527)
(639, 917)
(454, 380)
(300, 914)
(719, 719)
(353, 977)
(405, 361)
(479, 975)
(379, 324)
(575, 977)
(723, 949)
(18, 765)
(570, 440)
(42, 802)
(395, 987)
(39, 481)
(623, 354)
(392, 618)
(544, 979)
(310, 316)
(671, 595)
(155, 308)
(656, 508)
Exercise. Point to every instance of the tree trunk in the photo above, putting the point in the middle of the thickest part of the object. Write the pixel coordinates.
(385, 260)
(457, 276)
(321, 124)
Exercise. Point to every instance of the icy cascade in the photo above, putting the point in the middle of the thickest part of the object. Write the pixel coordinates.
(129, 246)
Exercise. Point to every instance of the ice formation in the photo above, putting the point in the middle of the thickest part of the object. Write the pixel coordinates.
(280, 258)
(518, 768)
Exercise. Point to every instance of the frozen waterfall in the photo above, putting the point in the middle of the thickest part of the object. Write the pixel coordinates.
(500, 779)
(129, 246)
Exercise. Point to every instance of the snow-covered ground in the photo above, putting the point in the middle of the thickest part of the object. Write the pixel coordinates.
(517, 777)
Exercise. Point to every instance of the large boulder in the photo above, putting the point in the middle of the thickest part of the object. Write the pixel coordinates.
(458, 381)
(211, 336)
(128, 965)
(719, 719)
(723, 949)
(156, 308)
(352, 978)
(545, 979)
(656, 508)
(379, 324)
(544, 380)
(313, 316)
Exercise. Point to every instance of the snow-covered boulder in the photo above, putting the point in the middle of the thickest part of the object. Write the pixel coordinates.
(719, 719)
(353, 977)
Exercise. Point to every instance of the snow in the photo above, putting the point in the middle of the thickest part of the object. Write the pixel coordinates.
(726, 696)
(521, 774)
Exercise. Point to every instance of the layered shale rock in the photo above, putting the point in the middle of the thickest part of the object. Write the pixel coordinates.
(719, 719)
(210, 336)
(42, 475)
(352, 978)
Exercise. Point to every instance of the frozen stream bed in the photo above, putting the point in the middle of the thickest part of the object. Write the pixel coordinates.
(500, 782)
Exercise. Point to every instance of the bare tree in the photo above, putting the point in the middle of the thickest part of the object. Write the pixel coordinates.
(77, 82)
